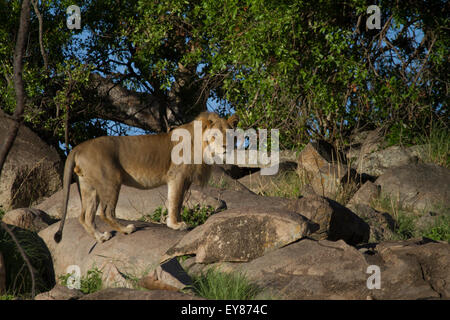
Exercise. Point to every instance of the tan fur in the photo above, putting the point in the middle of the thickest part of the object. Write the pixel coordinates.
(105, 163)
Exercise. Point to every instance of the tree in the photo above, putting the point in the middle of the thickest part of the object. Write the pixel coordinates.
(310, 69)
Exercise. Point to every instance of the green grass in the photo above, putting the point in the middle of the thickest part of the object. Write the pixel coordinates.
(285, 185)
(192, 216)
(90, 283)
(406, 221)
(436, 146)
(216, 285)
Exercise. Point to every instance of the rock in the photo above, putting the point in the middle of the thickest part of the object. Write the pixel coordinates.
(326, 169)
(366, 142)
(130, 294)
(365, 195)
(2, 275)
(308, 269)
(173, 274)
(335, 221)
(28, 218)
(376, 163)
(60, 292)
(240, 200)
(413, 269)
(150, 282)
(241, 235)
(132, 203)
(382, 225)
(32, 169)
(220, 179)
(418, 187)
(264, 184)
(135, 254)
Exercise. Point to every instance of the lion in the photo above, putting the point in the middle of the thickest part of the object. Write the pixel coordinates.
(102, 165)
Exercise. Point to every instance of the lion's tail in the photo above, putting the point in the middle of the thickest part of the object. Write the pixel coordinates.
(68, 170)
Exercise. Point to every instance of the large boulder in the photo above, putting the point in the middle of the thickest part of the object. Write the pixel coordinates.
(242, 235)
(28, 218)
(419, 187)
(132, 203)
(310, 269)
(135, 254)
(32, 170)
(335, 221)
(413, 269)
(378, 162)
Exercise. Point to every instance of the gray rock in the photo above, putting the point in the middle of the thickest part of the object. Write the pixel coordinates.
(130, 294)
(376, 163)
(32, 170)
(60, 292)
(367, 193)
(172, 273)
(381, 224)
(419, 187)
(413, 269)
(310, 269)
(28, 218)
(241, 235)
(135, 254)
(336, 221)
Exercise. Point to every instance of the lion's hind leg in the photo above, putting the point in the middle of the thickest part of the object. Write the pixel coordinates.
(89, 204)
(108, 202)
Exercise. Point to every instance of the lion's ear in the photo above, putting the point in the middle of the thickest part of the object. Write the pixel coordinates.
(233, 120)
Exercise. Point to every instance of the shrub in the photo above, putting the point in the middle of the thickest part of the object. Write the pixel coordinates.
(18, 278)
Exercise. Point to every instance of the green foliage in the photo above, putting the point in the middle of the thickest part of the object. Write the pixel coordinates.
(18, 278)
(90, 283)
(192, 216)
(440, 230)
(299, 66)
(217, 285)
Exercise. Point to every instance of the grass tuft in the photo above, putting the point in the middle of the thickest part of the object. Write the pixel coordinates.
(192, 216)
(216, 285)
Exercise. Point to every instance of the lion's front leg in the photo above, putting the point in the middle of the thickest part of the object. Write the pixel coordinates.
(176, 191)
